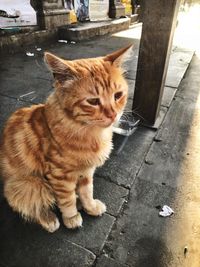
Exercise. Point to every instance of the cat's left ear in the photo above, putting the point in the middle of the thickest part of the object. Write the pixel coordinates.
(120, 56)
(62, 69)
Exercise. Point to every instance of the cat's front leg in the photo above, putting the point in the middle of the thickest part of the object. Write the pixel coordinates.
(65, 191)
(92, 206)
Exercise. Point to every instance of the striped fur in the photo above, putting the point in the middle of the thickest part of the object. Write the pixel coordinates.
(49, 152)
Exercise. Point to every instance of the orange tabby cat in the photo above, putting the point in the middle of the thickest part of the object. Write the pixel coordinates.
(50, 151)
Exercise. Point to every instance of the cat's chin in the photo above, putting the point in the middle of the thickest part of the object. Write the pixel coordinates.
(105, 124)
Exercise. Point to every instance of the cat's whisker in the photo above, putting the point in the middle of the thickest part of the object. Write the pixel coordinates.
(124, 116)
(133, 112)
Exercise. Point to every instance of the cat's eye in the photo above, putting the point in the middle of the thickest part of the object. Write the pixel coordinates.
(118, 95)
(94, 101)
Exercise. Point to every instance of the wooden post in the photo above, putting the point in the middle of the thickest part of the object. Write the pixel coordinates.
(159, 23)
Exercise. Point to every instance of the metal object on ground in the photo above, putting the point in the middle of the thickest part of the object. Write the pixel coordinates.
(126, 126)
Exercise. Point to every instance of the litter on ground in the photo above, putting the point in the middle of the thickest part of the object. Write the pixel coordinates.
(63, 41)
(29, 54)
(166, 211)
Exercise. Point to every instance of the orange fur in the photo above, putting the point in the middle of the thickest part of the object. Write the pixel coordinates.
(50, 151)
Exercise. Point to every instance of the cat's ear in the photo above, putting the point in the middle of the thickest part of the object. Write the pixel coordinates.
(120, 56)
(62, 70)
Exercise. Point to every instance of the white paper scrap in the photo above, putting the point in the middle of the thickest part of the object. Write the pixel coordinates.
(38, 49)
(72, 42)
(29, 54)
(166, 211)
(63, 41)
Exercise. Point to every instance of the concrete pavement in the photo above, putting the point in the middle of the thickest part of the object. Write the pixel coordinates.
(153, 169)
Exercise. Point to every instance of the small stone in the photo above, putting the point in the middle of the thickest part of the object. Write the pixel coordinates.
(29, 54)
(63, 41)
(185, 250)
(156, 139)
(166, 211)
(148, 162)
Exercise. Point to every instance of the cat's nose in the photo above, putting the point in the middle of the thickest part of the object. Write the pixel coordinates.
(111, 115)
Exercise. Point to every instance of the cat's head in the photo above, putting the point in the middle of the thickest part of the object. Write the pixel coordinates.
(92, 91)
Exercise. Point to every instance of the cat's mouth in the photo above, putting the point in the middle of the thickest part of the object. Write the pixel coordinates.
(105, 123)
(99, 123)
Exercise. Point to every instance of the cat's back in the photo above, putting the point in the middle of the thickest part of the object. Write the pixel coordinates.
(23, 120)
(21, 139)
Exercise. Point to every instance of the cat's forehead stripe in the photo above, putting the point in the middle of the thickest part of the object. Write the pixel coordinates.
(99, 83)
(96, 89)
(102, 79)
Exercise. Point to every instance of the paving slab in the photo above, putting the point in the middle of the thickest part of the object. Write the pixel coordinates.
(25, 75)
(188, 89)
(105, 261)
(25, 78)
(136, 240)
(178, 64)
(27, 90)
(111, 194)
(21, 64)
(26, 245)
(92, 235)
(25, 72)
(122, 168)
(168, 96)
(178, 143)
(152, 195)
(168, 176)
(7, 107)
(141, 238)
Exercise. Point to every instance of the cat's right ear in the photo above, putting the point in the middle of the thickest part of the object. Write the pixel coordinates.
(62, 70)
(119, 57)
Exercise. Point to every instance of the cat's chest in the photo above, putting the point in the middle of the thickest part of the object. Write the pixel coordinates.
(78, 155)
(98, 157)
(94, 155)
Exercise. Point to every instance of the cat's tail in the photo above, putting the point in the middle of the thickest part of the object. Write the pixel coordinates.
(33, 198)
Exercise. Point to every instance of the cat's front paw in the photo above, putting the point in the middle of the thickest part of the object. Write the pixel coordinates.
(97, 208)
(53, 226)
(73, 222)
(49, 221)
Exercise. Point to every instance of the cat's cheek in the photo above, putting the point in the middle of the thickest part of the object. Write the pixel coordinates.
(107, 123)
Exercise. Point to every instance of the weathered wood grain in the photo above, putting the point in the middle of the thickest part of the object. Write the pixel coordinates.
(159, 21)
